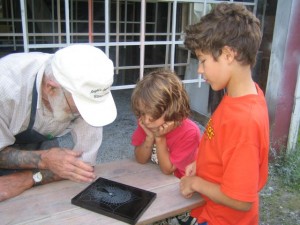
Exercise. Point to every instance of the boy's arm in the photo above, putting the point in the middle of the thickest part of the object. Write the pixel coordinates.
(143, 152)
(191, 184)
(163, 155)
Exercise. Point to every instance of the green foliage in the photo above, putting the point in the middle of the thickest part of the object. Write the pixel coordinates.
(287, 167)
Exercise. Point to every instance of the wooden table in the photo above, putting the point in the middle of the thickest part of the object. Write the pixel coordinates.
(51, 203)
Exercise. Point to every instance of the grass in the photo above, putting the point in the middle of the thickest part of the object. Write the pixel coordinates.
(280, 199)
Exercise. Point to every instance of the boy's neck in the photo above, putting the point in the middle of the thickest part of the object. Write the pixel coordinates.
(241, 83)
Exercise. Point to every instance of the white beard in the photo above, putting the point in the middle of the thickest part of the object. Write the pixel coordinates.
(60, 107)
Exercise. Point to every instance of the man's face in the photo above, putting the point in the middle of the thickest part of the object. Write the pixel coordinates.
(62, 105)
(70, 102)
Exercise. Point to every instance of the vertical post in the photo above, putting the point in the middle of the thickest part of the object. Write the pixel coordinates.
(106, 27)
(295, 118)
(13, 24)
(58, 21)
(52, 21)
(142, 37)
(24, 24)
(173, 34)
(168, 36)
(117, 35)
(91, 16)
(67, 18)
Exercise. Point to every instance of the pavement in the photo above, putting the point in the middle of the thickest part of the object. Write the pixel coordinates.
(116, 142)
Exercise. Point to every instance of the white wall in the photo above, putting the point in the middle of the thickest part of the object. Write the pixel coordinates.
(198, 95)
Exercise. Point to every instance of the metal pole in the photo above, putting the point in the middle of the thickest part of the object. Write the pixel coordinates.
(173, 34)
(168, 36)
(107, 27)
(117, 35)
(67, 22)
(58, 21)
(91, 16)
(142, 38)
(24, 25)
(13, 24)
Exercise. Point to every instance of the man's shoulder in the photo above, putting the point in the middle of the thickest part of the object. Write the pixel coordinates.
(25, 55)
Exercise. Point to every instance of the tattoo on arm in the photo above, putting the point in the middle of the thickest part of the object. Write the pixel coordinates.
(49, 176)
(12, 158)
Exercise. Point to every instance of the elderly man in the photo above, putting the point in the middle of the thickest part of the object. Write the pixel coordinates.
(46, 96)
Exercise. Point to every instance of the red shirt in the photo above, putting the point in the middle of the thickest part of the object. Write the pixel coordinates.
(182, 143)
(234, 154)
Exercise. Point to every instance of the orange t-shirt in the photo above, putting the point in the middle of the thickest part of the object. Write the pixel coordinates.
(234, 154)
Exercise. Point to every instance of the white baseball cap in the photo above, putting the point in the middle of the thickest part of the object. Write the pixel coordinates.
(87, 73)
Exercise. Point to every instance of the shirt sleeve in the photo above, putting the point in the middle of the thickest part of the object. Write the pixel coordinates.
(138, 136)
(87, 139)
(6, 137)
(183, 150)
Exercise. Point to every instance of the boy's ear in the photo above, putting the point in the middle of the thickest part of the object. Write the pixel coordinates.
(228, 53)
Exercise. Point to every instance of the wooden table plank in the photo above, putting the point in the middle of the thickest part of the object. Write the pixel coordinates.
(51, 203)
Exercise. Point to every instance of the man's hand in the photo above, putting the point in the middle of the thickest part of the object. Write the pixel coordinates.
(14, 184)
(66, 164)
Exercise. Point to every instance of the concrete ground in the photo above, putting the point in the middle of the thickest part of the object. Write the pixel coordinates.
(117, 135)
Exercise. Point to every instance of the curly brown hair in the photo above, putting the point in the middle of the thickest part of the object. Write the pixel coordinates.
(161, 92)
(228, 24)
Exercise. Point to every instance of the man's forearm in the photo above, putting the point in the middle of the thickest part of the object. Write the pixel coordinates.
(12, 158)
(49, 176)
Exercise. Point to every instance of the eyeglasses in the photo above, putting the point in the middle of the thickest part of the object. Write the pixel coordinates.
(75, 115)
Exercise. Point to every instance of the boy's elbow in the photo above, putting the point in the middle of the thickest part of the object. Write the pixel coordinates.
(141, 161)
(166, 172)
(244, 206)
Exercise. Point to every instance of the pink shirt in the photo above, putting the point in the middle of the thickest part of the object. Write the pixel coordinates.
(182, 143)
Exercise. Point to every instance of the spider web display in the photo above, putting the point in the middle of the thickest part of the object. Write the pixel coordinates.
(116, 200)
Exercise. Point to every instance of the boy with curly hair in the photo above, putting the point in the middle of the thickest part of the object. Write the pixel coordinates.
(164, 133)
(232, 162)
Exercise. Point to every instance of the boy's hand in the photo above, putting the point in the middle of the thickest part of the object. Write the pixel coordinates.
(186, 186)
(148, 132)
(165, 128)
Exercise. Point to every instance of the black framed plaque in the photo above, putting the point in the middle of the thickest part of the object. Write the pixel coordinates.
(114, 199)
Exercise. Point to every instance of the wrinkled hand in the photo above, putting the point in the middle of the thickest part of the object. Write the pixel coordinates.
(14, 184)
(190, 170)
(186, 186)
(67, 164)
